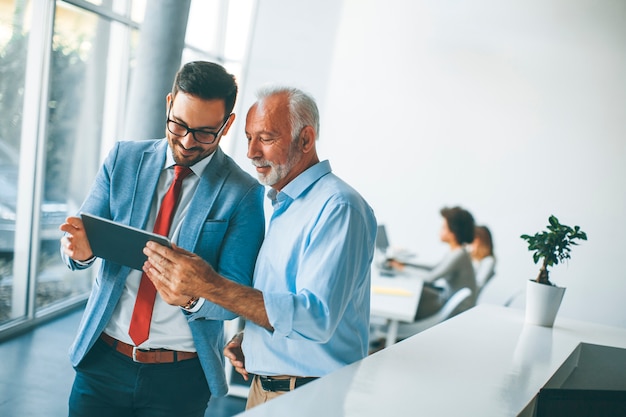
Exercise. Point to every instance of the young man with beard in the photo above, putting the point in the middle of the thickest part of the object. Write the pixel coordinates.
(134, 353)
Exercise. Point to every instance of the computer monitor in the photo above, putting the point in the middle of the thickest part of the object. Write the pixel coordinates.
(382, 242)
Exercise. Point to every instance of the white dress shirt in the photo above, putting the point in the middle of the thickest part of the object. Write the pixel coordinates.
(169, 328)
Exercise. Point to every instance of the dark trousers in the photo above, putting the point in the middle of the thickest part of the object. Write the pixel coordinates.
(109, 384)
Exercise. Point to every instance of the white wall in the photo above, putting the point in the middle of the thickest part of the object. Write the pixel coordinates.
(515, 111)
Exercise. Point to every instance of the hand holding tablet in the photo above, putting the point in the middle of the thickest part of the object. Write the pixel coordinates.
(117, 242)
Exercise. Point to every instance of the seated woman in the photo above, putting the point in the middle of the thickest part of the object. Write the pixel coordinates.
(455, 270)
(483, 259)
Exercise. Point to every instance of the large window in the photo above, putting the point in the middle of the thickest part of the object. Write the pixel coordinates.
(61, 65)
(65, 70)
(15, 19)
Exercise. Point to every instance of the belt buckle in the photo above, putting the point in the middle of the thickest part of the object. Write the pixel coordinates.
(275, 385)
(135, 349)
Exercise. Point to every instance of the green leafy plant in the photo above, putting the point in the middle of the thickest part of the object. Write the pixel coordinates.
(553, 246)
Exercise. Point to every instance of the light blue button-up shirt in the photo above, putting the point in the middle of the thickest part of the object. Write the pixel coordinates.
(314, 272)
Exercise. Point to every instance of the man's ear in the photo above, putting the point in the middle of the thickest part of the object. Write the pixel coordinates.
(307, 139)
(231, 120)
(168, 102)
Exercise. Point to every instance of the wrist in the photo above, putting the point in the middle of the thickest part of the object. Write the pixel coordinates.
(190, 304)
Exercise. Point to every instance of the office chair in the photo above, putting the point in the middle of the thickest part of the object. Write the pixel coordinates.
(481, 287)
(481, 281)
(409, 329)
(485, 271)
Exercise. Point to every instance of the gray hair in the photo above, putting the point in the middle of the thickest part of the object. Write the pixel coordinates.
(302, 108)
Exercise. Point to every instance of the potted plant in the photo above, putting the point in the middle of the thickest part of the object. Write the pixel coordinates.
(553, 246)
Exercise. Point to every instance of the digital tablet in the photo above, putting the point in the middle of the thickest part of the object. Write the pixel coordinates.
(117, 242)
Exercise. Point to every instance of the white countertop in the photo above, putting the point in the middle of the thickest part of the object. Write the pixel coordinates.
(484, 362)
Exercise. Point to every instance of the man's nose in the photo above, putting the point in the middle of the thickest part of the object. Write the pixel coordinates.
(254, 148)
(188, 140)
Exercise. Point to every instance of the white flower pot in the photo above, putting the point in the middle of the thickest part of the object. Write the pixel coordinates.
(542, 303)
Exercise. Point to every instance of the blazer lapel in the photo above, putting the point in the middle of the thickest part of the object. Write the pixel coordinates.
(208, 190)
(146, 181)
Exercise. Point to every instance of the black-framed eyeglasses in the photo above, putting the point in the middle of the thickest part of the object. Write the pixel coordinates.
(199, 135)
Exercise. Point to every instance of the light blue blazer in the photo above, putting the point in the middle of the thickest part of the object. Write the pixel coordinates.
(224, 225)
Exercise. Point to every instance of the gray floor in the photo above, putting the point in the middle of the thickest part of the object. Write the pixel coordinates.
(36, 376)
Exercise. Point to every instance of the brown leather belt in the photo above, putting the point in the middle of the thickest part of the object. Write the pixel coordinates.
(147, 355)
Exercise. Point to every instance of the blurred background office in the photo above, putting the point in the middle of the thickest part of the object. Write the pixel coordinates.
(525, 99)
(513, 110)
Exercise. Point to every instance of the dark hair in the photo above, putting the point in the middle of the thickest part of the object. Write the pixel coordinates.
(484, 235)
(208, 81)
(460, 223)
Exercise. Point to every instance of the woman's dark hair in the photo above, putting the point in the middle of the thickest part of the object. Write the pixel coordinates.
(208, 81)
(460, 223)
(484, 235)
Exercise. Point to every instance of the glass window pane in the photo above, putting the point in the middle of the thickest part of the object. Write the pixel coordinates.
(128, 8)
(203, 26)
(82, 82)
(238, 29)
(70, 99)
(137, 11)
(13, 48)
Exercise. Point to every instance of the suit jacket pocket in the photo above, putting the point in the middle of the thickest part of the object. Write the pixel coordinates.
(211, 240)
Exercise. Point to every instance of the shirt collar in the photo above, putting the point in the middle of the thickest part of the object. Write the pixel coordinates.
(302, 182)
(197, 168)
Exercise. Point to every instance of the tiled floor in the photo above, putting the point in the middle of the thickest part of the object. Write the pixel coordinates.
(36, 376)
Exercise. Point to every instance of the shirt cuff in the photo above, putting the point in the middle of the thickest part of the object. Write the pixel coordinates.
(280, 311)
(86, 262)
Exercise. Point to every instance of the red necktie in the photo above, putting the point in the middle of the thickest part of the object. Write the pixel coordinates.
(142, 314)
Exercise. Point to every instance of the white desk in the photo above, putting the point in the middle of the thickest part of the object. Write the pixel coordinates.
(395, 299)
(484, 362)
